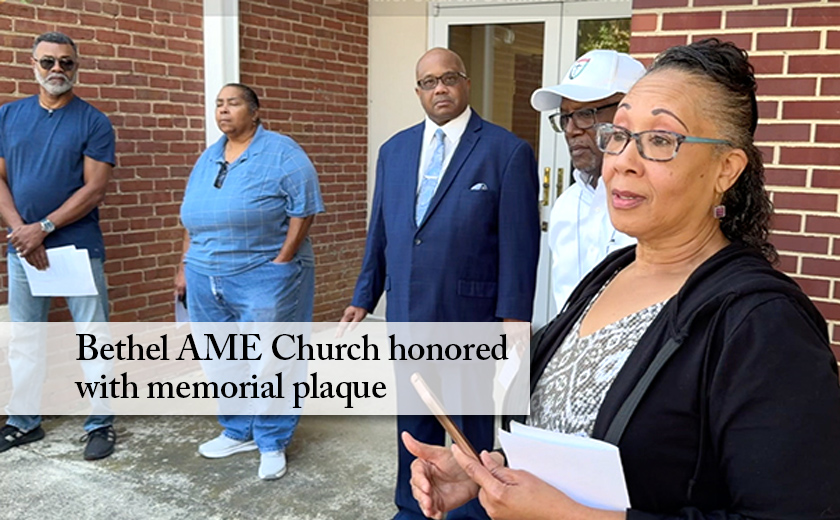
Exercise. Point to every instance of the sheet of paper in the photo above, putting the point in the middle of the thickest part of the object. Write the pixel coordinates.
(69, 274)
(587, 470)
(182, 315)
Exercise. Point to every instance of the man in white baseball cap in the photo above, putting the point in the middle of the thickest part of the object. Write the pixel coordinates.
(580, 233)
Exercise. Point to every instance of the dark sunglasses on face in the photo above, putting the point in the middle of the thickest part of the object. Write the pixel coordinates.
(220, 177)
(48, 62)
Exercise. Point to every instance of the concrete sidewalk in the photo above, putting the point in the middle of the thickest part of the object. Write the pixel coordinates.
(340, 468)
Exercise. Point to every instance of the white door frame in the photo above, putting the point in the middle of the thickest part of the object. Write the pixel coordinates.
(221, 57)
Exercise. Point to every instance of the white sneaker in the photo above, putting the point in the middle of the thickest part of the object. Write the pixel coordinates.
(272, 465)
(222, 446)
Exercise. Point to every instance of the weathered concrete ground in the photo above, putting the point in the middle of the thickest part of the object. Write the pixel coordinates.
(340, 468)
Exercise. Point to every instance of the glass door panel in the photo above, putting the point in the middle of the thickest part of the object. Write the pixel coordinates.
(505, 63)
(603, 33)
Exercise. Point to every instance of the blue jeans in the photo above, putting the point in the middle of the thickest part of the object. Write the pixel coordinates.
(28, 349)
(267, 293)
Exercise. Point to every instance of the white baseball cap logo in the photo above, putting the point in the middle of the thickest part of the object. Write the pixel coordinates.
(578, 67)
(596, 75)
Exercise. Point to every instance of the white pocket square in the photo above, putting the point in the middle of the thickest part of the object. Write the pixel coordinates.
(479, 186)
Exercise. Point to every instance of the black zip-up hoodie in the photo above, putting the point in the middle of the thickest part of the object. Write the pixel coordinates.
(743, 420)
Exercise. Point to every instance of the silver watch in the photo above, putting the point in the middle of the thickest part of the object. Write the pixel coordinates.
(47, 226)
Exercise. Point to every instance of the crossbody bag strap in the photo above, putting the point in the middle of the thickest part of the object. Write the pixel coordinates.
(619, 422)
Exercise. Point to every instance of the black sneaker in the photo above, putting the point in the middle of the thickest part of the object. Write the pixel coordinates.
(100, 443)
(11, 437)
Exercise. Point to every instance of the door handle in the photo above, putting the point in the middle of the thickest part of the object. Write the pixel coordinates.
(560, 173)
(546, 186)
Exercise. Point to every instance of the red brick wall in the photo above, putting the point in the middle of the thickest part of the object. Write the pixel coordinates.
(142, 65)
(308, 63)
(795, 47)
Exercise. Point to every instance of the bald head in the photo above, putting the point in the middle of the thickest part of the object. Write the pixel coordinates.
(440, 53)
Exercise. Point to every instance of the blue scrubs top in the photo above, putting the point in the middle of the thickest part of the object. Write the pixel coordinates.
(244, 223)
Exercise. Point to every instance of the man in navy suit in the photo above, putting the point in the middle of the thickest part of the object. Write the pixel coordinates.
(454, 235)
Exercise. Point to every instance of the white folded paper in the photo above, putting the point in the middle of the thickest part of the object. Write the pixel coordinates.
(587, 470)
(182, 315)
(69, 274)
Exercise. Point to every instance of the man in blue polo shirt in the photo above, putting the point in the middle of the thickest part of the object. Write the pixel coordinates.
(56, 156)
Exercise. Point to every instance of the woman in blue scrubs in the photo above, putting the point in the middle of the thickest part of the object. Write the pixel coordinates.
(248, 206)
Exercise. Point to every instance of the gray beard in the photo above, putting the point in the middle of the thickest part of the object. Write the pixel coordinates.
(52, 88)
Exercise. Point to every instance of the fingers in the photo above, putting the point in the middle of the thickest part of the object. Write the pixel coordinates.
(351, 316)
(489, 462)
(421, 488)
(342, 324)
(425, 451)
(496, 467)
(348, 315)
(180, 289)
(413, 446)
(41, 258)
(419, 479)
(421, 484)
(38, 258)
(14, 239)
(342, 327)
(354, 314)
(26, 238)
(477, 472)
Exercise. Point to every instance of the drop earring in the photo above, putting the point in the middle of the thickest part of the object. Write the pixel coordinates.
(719, 211)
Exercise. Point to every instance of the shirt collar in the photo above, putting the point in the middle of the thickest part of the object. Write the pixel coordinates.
(583, 179)
(256, 146)
(453, 129)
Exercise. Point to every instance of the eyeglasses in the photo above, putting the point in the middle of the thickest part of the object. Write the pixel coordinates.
(584, 118)
(653, 145)
(220, 177)
(48, 62)
(450, 79)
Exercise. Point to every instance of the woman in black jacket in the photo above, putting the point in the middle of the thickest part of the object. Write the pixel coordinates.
(709, 369)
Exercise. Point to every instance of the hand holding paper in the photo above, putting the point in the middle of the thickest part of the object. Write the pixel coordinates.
(37, 258)
(69, 274)
(588, 470)
(509, 494)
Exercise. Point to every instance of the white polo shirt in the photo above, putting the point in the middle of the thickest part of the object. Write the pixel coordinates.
(580, 235)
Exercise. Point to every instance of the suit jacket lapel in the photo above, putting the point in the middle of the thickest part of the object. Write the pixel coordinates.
(412, 166)
(465, 148)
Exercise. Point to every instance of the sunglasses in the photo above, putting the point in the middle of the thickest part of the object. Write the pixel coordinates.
(220, 177)
(48, 62)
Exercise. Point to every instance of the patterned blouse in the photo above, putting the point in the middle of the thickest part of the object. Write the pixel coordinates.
(572, 387)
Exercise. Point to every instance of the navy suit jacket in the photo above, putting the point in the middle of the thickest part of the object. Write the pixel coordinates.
(474, 256)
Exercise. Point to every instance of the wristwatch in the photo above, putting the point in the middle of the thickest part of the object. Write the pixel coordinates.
(47, 226)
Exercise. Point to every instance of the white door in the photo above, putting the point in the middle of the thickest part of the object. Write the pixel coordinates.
(510, 50)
